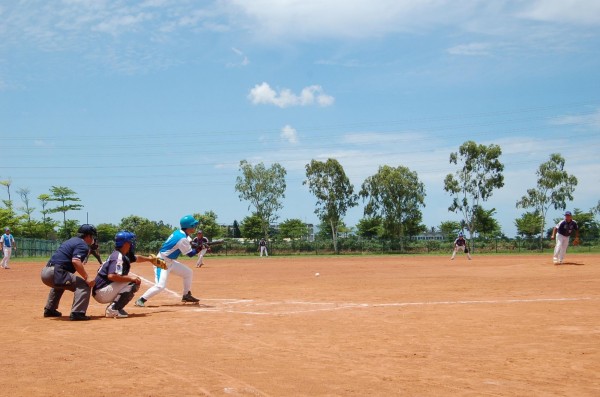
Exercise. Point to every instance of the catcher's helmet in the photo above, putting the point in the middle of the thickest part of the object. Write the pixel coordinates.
(87, 229)
(123, 237)
(188, 221)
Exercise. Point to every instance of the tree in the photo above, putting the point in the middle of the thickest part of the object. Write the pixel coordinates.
(145, 230)
(208, 224)
(554, 187)
(485, 224)
(529, 224)
(395, 195)
(47, 223)
(64, 195)
(450, 228)
(27, 210)
(293, 228)
(252, 227)
(106, 232)
(369, 227)
(263, 188)
(234, 230)
(328, 182)
(474, 183)
(7, 183)
(589, 229)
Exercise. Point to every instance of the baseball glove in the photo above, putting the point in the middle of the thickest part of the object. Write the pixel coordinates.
(158, 262)
(576, 241)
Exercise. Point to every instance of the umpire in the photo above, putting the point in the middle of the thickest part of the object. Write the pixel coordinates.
(59, 274)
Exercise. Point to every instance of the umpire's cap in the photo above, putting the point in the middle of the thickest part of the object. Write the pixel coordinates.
(87, 229)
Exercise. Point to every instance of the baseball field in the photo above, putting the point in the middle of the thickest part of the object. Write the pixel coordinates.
(365, 326)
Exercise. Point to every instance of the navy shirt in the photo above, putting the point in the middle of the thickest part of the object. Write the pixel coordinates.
(566, 228)
(73, 248)
(460, 242)
(117, 263)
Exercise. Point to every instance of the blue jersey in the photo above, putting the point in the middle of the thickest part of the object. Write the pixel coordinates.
(178, 243)
(8, 240)
(117, 263)
(73, 248)
(566, 228)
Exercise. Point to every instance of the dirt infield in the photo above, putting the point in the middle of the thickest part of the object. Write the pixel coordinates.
(380, 326)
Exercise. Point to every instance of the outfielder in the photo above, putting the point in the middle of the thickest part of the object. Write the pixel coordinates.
(262, 246)
(460, 244)
(178, 243)
(7, 243)
(562, 232)
(114, 285)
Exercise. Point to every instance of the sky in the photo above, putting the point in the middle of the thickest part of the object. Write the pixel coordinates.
(147, 107)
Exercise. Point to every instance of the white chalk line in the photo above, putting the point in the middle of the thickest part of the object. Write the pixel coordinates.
(342, 306)
(326, 306)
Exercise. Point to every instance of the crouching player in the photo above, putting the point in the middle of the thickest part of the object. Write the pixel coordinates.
(114, 285)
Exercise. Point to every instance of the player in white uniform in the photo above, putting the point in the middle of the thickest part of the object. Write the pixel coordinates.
(178, 243)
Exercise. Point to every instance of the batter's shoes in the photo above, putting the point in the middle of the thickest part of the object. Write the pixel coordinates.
(52, 313)
(114, 313)
(188, 298)
(140, 303)
(79, 316)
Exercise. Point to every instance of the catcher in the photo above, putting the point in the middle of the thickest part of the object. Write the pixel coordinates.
(562, 232)
(460, 244)
(114, 285)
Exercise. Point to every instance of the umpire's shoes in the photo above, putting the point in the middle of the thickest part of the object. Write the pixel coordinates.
(79, 316)
(189, 298)
(52, 313)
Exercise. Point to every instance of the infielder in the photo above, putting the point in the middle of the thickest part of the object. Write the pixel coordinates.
(562, 232)
(7, 243)
(262, 246)
(114, 285)
(178, 243)
(460, 244)
(59, 275)
(200, 243)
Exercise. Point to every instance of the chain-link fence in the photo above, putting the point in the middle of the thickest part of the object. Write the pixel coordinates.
(350, 245)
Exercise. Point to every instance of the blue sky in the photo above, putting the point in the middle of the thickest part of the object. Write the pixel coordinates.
(147, 107)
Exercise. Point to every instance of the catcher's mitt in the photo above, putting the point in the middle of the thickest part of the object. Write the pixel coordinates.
(158, 262)
(576, 241)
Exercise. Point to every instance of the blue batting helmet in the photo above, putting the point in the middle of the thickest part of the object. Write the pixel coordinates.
(188, 221)
(123, 237)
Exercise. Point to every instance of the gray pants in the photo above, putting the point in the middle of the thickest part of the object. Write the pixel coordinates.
(81, 298)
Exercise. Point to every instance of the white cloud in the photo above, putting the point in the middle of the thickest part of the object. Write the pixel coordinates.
(244, 61)
(470, 49)
(590, 120)
(314, 94)
(569, 11)
(289, 134)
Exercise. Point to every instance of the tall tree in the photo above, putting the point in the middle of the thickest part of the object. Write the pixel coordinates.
(7, 183)
(450, 228)
(66, 197)
(263, 188)
(27, 211)
(485, 223)
(252, 227)
(328, 182)
(396, 196)
(554, 187)
(369, 227)
(474, 182)
(47, 223)
(208, 224)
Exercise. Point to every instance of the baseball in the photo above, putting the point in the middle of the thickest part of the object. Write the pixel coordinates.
(316, 274)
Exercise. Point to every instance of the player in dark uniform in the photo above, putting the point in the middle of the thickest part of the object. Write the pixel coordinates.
(114, 284)
(59, 275)
(94, 250)
(460, 244)
(562, 232)
(200, 244)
